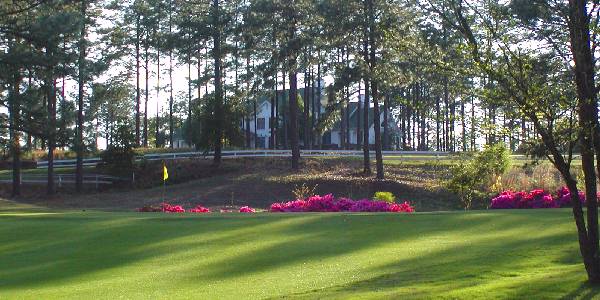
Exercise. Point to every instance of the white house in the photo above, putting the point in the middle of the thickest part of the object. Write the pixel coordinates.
(262, 130)
(331, 138)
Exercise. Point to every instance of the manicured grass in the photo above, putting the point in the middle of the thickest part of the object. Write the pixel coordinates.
(96, 255)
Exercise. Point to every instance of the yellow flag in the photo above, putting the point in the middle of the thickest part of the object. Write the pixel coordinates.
(165, 173)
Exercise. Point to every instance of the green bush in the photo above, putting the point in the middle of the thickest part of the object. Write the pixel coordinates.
(119, 157)
(384, 196)
(472, 179)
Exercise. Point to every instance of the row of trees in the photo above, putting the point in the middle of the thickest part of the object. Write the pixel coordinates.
(235, 53)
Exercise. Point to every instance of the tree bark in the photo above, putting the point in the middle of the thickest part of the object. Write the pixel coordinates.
(375, 92)
(137, 81)
(579, 31)
(305, 114)
(50, 188)
(171, 120)
(15, 123)
(294, 115)
(147, 90)
(81, 78)
(218, 83)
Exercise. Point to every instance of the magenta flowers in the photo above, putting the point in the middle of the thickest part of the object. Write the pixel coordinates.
(247, 210)
(168, 208)
(328, 203)
(534, 199)
(200, 210)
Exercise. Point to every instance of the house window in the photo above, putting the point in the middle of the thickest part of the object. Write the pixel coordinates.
(260, 123)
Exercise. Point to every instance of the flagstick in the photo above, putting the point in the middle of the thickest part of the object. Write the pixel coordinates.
(164, 190)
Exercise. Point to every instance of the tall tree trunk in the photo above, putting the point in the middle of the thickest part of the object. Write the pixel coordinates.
(15, 124)
(147, 89)
(218, 83)
(157, 128)
(366, 154)
(447, 116)
(272, 138)
(463, 124)
(199, 72)
(437, 124)
(294, 115)
(316, 105)
(50, 189)
(171, 120)
(375, 92)
(358, 123)
(293, 98)
(81, 78)
(473, 122)
(305, 114)
(137, 81)
(579, 30)
(248, 133)
(188, 133)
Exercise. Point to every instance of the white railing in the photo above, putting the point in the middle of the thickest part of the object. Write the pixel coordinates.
(408, 155)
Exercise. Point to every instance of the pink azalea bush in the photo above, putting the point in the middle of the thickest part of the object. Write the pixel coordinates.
(247, 210)
(564, 197)
(328, 203)
(200, 210)
(168, 208)
(534, 199)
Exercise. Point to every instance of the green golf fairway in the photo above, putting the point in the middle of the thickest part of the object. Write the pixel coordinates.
(98, 255)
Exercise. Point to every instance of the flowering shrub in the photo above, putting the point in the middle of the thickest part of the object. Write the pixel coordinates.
(564, 197)
(168, 208)
(507, 200)
(200, 210)
(247, 210)
(403, 207)
(328, 203)
(538, 199)
(534, 199)
(321, 204)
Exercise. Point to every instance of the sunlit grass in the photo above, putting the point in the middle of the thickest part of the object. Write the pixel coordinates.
(516, 254)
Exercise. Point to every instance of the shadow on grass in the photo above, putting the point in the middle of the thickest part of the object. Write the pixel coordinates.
(425, 254)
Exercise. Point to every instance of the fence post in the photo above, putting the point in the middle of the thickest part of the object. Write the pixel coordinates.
(96, 181)
(59, 181)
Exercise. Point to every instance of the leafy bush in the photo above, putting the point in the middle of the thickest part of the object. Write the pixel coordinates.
(119, 157)
(385, 196)
(168, 208)
(328, 203)
(200, 210)
(535, 199)
(472, 179)
(247, 210)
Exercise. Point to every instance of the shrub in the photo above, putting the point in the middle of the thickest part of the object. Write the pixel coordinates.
(472, 179)
(200, 210)
(385, 196)
(535, 199)
(119, 157)
(247, 210)
(328, 203)
(168, 208)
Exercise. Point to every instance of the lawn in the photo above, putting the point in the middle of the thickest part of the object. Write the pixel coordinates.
(47, 254)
